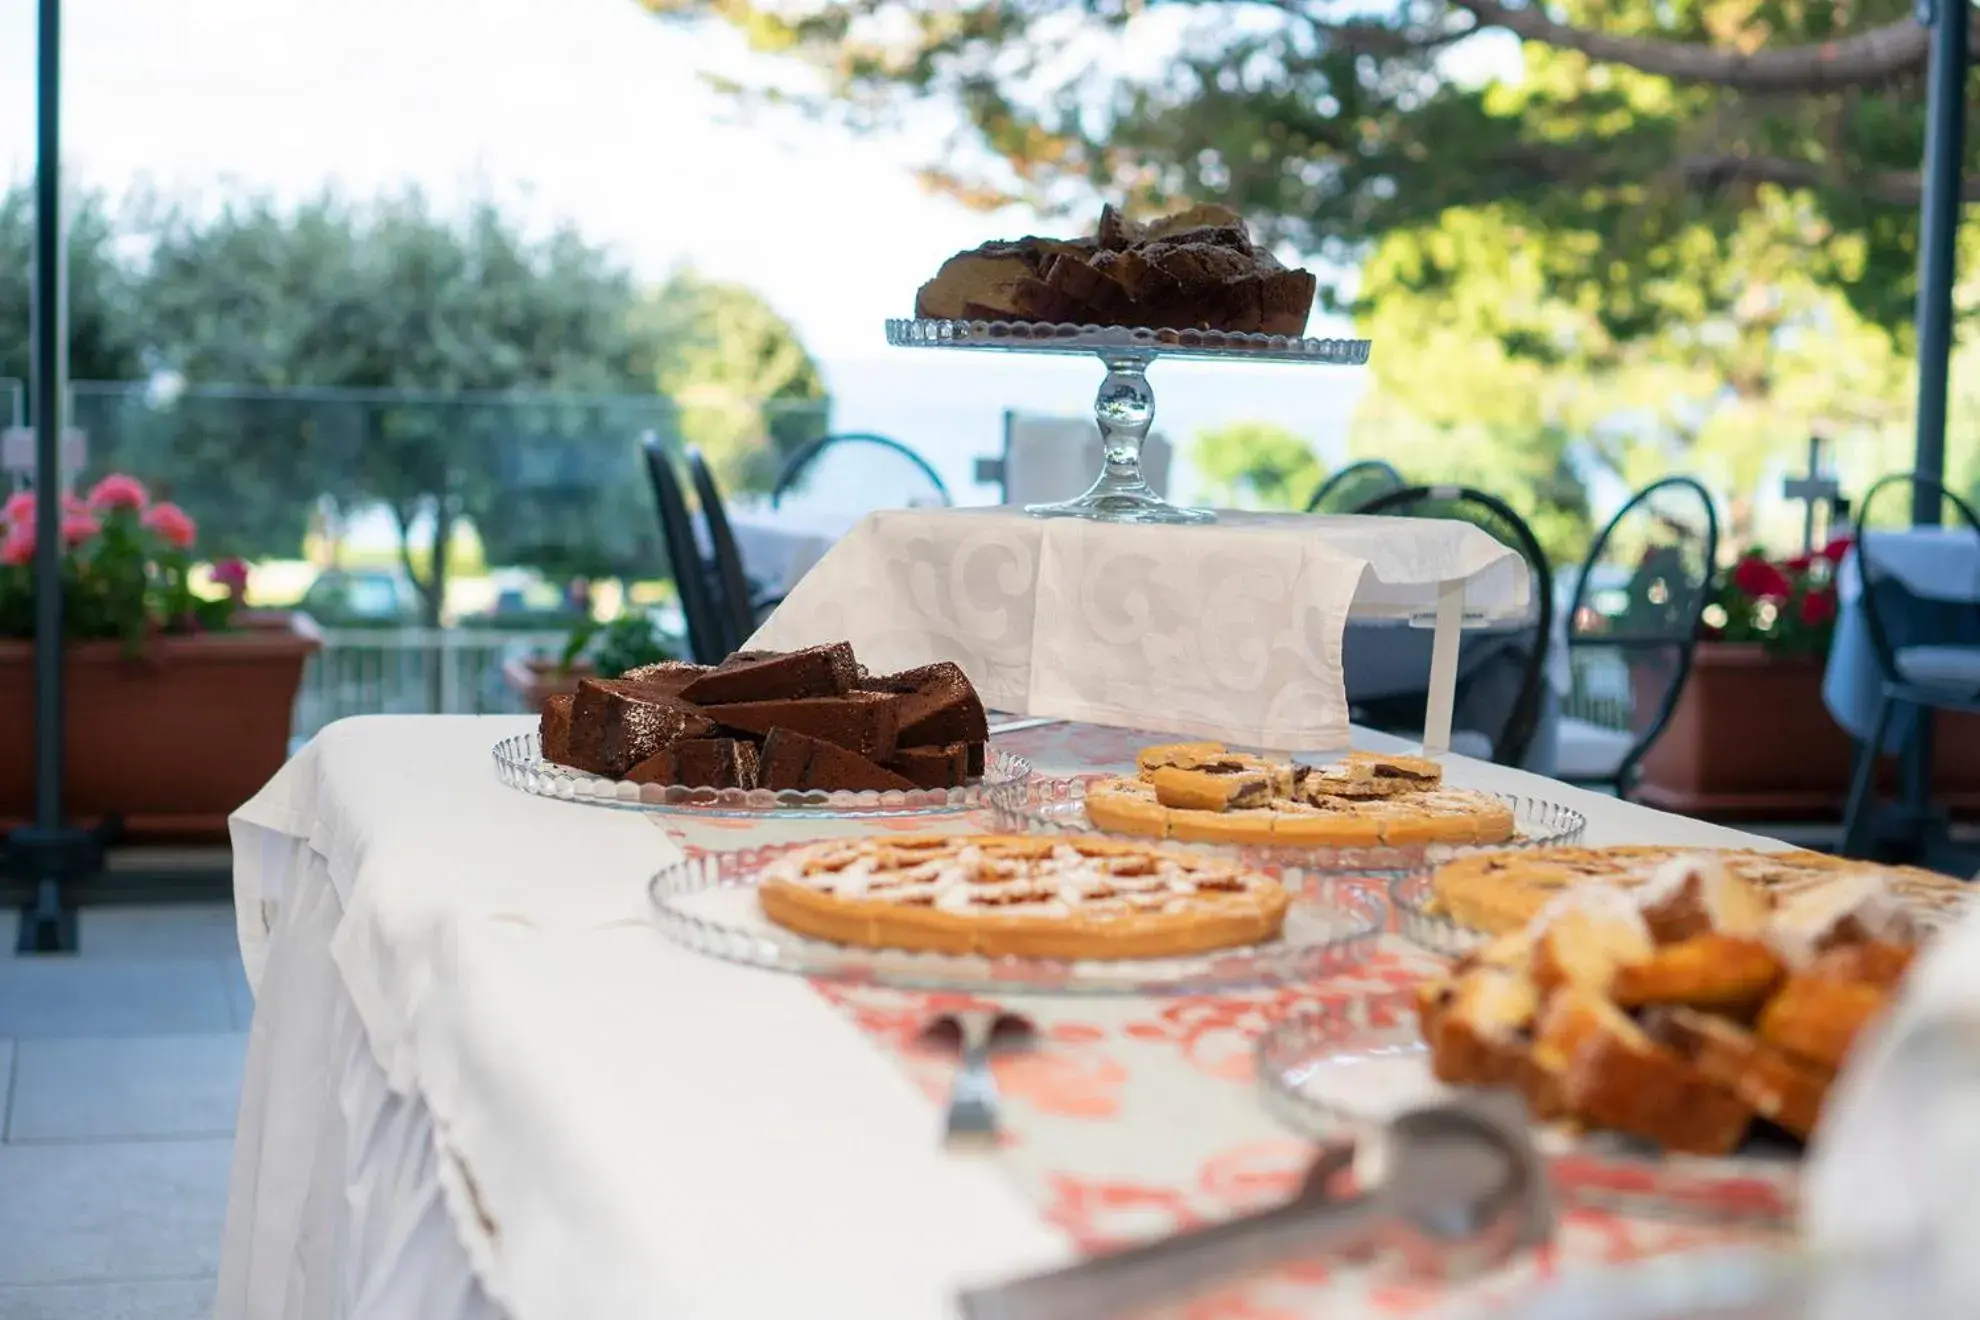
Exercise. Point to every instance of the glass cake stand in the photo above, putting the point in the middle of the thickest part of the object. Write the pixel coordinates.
(1125, 405)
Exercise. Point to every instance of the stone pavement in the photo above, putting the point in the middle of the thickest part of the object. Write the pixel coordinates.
(120, 1070)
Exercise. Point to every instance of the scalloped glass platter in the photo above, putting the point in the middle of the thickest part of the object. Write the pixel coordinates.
(708, 904)
(1049, 337)
(519, 763)
(1058, 806)
(1350, 1066)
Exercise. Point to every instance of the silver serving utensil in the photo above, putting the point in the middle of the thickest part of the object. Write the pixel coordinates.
(976, 1034)
(1463, 1190)
(1018, 725)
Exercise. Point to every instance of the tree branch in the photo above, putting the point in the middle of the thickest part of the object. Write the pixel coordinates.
(1898, 187)
(1866, 57)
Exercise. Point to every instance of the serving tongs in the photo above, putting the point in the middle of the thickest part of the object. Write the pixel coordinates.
(1461, 1190)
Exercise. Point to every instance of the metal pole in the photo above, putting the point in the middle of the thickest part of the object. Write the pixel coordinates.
(49, 352)
(1945, 132)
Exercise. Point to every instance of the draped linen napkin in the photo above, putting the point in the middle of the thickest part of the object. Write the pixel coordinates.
(1231, 630)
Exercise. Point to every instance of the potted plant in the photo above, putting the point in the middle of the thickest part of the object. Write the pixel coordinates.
(1750, 737)
(177, 705)
(593, 650)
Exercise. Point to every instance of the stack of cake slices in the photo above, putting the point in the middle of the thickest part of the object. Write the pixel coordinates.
(810, 719)
(1197, 269)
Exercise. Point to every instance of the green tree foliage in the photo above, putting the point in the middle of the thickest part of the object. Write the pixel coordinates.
(334, 355)
(103, 342)
(1257, 465)
(1684, 233)
(748, 392)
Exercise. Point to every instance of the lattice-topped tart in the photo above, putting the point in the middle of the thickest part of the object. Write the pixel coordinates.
(1011, 895)
(1499, 892)
(1204, 793)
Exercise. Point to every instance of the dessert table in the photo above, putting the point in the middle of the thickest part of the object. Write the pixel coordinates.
(480, 1083)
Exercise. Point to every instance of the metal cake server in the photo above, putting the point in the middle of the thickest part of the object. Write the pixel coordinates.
(976, 1034)
(1463, 1190)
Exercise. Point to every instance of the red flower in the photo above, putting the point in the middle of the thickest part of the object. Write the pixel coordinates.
(172, 524)
(1799, 564)
(118, 491)
(18, 510)
(231, 574)
(1759, 579)
(17, 549)
(1818, 607)
(79, 527)
(1836, 549)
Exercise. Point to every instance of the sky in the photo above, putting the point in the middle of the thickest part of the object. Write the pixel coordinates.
(589, 111)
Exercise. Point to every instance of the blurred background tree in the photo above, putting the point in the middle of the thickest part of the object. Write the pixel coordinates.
(1256, 465)
(747, 390)
(270, 366)
(1622, 234)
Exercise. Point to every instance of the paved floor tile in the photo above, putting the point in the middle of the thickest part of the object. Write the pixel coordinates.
(166, 930)
(112, 1211)
(90, 1088)
(57, 995)
(174, 1299)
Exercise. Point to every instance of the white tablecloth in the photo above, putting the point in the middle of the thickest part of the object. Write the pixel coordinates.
(479, 1082)
(1229, 630)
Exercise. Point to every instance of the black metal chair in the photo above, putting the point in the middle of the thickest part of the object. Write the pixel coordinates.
(1927, 654)
(1642, 652)
(1517, 718)
(739, 602)
(707, 630)
(801, 470)
(1355, 486)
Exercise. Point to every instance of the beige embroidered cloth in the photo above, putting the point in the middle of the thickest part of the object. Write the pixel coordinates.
(1231, 630)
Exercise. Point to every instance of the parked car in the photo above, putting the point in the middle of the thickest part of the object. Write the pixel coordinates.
(363, 598)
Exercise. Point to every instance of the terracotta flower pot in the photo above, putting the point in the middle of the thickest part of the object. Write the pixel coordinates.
(1750, 739)
(536, 679)
(171, 741)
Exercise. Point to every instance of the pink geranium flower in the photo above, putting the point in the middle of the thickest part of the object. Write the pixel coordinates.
(118, 491)
(79, 527)
(231, 574)
(18, 511)
(173, 525)
(17, 547)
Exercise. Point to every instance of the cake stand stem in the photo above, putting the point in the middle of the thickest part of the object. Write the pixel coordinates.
(1124, 410)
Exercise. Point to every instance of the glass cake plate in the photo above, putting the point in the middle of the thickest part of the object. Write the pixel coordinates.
(708, 904)
(519, 763)
(1058, 806)
(1351, 1066)
(1125, 406)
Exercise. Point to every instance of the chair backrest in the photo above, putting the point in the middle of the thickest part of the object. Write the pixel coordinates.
(1487, 511)
(706, 633)
(729, 581)
(1669, 586)
(1355, 485)
(1894, 616)
(912, 475)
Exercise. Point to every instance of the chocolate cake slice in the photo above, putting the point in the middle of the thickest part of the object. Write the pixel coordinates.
(792, 760)
(616, 724)
(816, 671)
(553, 729)
(700, 763)
(863, 722)
(933, 767)
(939, 706)
(668, 675)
